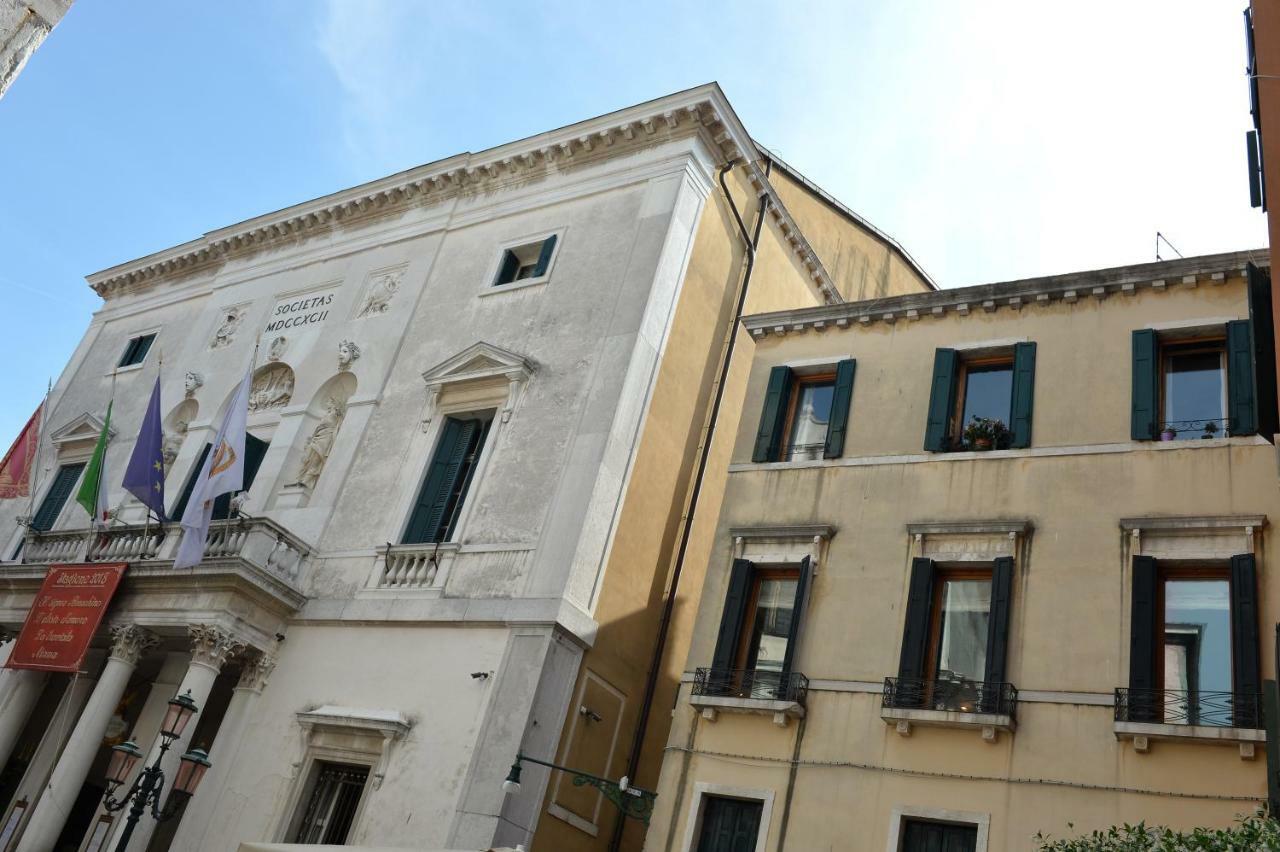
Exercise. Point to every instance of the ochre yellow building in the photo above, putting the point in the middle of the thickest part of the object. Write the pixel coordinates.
(923, 630)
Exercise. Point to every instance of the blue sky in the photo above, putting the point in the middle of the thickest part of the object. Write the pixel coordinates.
(993, 139)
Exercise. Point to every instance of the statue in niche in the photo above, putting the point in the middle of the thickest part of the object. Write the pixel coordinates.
(276, 350)
(348, 352)
(227, 330)
(272, 388)
(173, 443)
(320, 444)
(382, 289)
(191, 383)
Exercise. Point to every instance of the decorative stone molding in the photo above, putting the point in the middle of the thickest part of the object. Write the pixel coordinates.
(272, 387)
(478, 362)
(783, 544)
(275, 351)
(995, 297)
(969, 541)
(212, 646)
(225, 334)
(85, 428)
(380, 290)
(1192, 537)
(348, 354)
(129, 642)
(256, 671)
(191, 383)
(356, 734)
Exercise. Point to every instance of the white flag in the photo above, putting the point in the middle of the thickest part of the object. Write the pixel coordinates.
(223, 472)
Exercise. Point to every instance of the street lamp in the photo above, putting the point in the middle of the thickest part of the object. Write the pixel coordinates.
(632, 801)
(148, 787)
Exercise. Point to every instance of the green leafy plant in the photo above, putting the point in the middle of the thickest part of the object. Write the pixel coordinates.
(985, 433)
(1255, 832)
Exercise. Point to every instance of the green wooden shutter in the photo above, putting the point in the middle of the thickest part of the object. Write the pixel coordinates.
(773, 417)
(442, 475)
(56, 497)
(1242, 409)
(1024, 387)
(998, 629)
(507, 269)
(735, 609)
(942, 400)
(915, 633)
(180, 507)
(1143, 707)
(797, 615)
(1144, 416)
(544, 256)
(841, 398)
(1245, 668)
(1264, 350)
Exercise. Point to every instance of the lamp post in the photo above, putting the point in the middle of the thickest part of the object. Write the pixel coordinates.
(632, 801)
(148, 787)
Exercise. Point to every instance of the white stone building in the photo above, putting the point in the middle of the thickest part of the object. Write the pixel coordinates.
(453, 368)
(24, 25)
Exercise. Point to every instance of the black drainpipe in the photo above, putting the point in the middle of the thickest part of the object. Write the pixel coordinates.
(750, 241)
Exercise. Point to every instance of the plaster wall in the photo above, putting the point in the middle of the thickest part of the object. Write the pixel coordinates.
(24, 25)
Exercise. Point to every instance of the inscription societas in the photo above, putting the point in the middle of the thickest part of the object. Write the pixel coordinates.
(299, 312)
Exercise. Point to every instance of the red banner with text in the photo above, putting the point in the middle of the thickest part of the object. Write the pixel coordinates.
(64, 617)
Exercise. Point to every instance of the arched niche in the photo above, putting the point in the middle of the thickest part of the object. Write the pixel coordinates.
(175, 429)
(325, 413)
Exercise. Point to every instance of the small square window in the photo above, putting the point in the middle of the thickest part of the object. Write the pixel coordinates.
(1193, 389)
(135, 352)
(521, 263)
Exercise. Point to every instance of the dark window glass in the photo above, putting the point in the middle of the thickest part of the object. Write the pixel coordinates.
(920, 835)
(523, 262)
(1197, 647)
(810, 418)
(135, 352)
(254, 452)
(1194, 389)
(331, 807)
(729, 825)
(770, 624)
(56, 497)
(988, 392)
(963, 616)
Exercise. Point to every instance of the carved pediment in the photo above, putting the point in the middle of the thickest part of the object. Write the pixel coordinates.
(479, 361)
(86, 427)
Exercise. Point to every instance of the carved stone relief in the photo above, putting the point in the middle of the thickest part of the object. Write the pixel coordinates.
(320, 444)
(173, 443)
(276, 350)
(272, 387)
(348, 353)
(226, 332)
(382, 289)
(191, 383)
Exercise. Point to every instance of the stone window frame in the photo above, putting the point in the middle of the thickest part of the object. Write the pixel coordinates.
(154, 332)
(488, 285)
(328, 734)
(702, 790)
(901, 813)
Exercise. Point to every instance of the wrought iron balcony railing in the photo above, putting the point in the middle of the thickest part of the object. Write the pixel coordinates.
(1212, 427)
(957, 695)
(1179, 707)
(751, 683)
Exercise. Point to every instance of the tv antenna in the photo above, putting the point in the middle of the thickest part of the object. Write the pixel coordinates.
(1162, 238)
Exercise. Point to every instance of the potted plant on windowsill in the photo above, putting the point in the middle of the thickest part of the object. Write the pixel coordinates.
(1210, 430)
(985, 433)
(1168, 433)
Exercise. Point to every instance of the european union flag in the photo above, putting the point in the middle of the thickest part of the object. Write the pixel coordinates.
(144, 477)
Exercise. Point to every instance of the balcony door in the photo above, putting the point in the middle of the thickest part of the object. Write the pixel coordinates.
(729, 825)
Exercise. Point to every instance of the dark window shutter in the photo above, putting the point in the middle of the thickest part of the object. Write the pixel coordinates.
(998, 628)
(1264, 350)
(544, 256)
(255, 450)
(1142, 641)
(841, 399)
(180, 507)
(735, 609)
(1242, 409)
(915, 634)
(1024, 392)
(507, 270)
(1146, 385)
(442, 475)
(774, 415)
(797, 615)
(942, 400)
(56, 497)
(1245, 679)
(1254, 158)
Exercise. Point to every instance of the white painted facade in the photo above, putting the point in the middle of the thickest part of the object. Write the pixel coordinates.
(432, 665)
(24, 25)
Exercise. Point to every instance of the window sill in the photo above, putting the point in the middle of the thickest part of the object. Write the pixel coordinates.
(129, 369)
(494, 289)
(1143, 733)
(990, 724)
(781, 711)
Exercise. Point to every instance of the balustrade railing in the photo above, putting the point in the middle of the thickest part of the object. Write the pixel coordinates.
(751, 683)
(412, 566)
(1181, 707)
(957, 695)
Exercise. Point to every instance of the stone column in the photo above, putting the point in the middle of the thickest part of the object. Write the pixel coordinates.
(128, 644)
(211, 647)
(19, 691)
(224, 753)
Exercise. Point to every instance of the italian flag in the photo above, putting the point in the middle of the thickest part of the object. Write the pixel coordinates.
(93, 487)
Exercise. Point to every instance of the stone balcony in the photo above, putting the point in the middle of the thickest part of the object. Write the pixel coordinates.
(249, 575)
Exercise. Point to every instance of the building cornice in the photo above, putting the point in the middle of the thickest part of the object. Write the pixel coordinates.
(703, 111)
(1096, 284)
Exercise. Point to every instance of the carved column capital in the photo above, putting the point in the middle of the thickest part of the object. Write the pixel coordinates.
(129, 642)
(212, 646)
(256, 671)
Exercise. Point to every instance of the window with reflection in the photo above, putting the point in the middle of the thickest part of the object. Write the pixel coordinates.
(809, 417)
(961, 620)
(1193, 389)
(1196, 638)
(985, 393)
(769, 615)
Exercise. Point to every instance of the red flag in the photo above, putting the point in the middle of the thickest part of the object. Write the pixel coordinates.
(15, 470)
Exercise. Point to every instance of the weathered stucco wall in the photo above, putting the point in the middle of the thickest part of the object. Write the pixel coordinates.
(24, 25)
